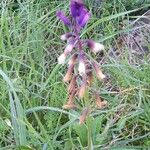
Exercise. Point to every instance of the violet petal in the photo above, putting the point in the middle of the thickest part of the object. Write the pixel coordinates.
(76, 7)
(84, 18)
(63, 18)
(79, 12)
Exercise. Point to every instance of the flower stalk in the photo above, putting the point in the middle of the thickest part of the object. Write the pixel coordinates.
(81, 69)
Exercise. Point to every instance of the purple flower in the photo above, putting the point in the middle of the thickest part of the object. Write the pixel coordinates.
(63, 18)
(79, 12)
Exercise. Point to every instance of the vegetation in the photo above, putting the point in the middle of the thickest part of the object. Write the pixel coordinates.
(32, 92)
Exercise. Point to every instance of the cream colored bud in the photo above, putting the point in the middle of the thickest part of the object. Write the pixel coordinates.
(94, 46)
(61, 59)
(98, 47)
(63, 37)
(81, 68)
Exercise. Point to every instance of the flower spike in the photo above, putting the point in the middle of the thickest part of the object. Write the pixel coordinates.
(80, 74)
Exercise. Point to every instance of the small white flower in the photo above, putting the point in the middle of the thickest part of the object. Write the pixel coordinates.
(61, 59)
(97, 47)
(81, 68)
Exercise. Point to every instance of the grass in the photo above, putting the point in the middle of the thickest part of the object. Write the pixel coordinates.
(32, 92)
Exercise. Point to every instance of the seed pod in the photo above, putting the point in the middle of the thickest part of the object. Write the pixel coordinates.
(72, 84)
(89, 78)
(73, 59)
(83, 88)
(72, 96)
(69, 106)
(99, 103)
(84, 115)
(68, 75)
(98, 71)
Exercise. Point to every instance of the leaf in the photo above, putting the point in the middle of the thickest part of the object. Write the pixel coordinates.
(121, 123)
(17, 113)
(81, 131)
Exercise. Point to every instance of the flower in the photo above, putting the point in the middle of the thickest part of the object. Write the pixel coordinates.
(76, 7)
(62, 58)
(63, 18)
(66, 36)
(79, 12)
(99, 73)
(69, 48)
(94, 46)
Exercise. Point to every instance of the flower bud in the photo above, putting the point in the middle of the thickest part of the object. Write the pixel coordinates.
(94, 46)
(99, 73)
(82, 66)
(62, 58)
(84, 115)
(68, 75)
(65, 36)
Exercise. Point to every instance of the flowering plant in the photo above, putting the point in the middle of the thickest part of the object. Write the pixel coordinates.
(80, 69)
